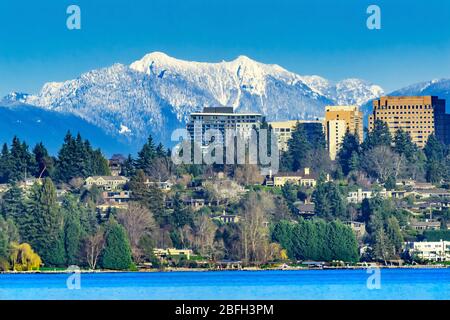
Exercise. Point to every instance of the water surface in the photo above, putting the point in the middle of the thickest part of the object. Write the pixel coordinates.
(228, 285)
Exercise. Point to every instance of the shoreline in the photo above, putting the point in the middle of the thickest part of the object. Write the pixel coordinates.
(250, 269)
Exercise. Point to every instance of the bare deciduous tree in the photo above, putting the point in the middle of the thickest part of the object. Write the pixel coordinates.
(161, 169)
(137, 221)
(93, 246)
(248, 174)
(254, 227)
(222, 190)
(382, 163)
(204, 230)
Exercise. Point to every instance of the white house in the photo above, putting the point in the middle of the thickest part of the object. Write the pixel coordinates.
(431, 251)
(359, 195)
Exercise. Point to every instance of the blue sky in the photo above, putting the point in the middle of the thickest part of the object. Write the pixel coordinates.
(324, 37)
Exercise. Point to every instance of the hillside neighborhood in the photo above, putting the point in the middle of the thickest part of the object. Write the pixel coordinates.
(340, 197)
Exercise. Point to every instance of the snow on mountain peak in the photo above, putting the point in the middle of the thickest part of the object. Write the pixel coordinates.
(350, 91)
(14, 98)
(157, 93)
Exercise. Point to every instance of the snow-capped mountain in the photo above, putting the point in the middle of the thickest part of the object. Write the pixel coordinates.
(345, 92)
(436, 87)
(157, 93)
(14, 98)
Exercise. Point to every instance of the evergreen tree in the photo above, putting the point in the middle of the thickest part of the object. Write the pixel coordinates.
(66, 164)
(117, 252)
(403, 144)
(128, 169)
(12, 205)
(5, 164)
(394, 234)
(317, 240)
(297, 156)
(348, 155)
(8, 234)
(181, 215)
(379, 136)
(160, 152)
(72, 229)
(22, 162)
(43, 161)
(435, 152)
(76, 158)
(329, 201)
(42, 226)
(146, 155)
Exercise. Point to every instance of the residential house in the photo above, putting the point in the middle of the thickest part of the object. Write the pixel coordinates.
(427, 224)
(116, 196)
(228, 218)
(359, 195)
(430, 251)
(162, 253)
(306, 210)
(195, 203)
(430, 193)
(103, 208)
(303, 178)
(162, 185)
(107, 183)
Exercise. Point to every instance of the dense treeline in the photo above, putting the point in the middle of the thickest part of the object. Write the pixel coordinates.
(317, 240)
(76, 158)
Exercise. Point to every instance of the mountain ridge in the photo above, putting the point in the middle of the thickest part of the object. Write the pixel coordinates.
(155, 94)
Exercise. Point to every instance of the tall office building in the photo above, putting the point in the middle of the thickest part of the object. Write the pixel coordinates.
(283, 130)
(222, 119)
(339, 119)
(419, 116)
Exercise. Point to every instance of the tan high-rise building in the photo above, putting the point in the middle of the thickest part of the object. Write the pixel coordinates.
(339, 119)
(283, 130)
(419, 116)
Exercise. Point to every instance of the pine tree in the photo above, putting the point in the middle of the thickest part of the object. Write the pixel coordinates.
(13, 203)
(160, 152)
(76, 158)
(43, 161)
(72, 229)
(128, 169)
(329, 201)
(435, 152)
(403, 144)
(117, 252)
(22, 162)
(66, 164)
(297, 156)
(181, 215)
(5, 164)
(379, 136)
(146, 155)
(348, 155)
(42, 226)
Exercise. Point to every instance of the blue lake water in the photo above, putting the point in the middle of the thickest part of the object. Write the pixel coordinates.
(311, 284)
